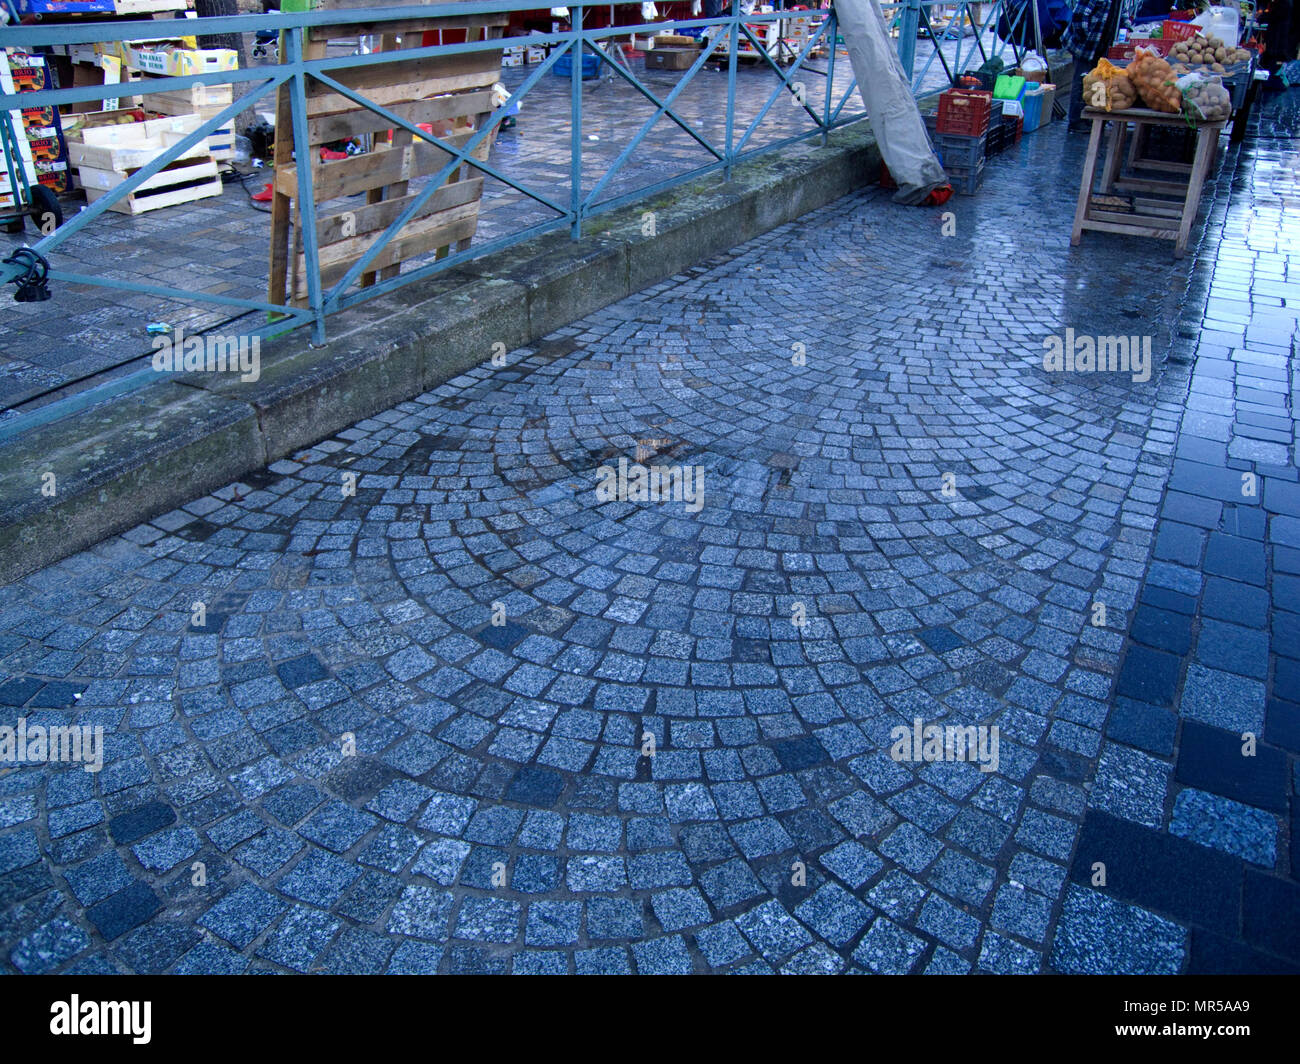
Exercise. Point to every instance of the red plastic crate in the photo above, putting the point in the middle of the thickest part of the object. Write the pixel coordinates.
(965, 111)
(1126, 52)
(1178, 31)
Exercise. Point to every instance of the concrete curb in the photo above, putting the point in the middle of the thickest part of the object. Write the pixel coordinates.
(140, 456)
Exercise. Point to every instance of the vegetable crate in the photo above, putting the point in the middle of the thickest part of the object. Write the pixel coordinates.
(966, 181)
(964, 111)
(964, 153)
(107, 154)
(206, 101)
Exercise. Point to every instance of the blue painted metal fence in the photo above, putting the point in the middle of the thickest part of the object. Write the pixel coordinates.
(728, 33)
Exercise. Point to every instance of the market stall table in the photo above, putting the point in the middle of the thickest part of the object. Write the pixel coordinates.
(1162, 218)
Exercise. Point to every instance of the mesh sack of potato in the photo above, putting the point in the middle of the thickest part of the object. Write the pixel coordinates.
(1210, 53)
(1108, 88)
(1155, 82)
(1205, 98)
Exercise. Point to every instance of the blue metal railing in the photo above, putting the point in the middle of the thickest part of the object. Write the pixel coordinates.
(729, 32)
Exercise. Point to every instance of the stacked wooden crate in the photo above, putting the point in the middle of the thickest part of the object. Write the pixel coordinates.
(206, 101)
(107, 152)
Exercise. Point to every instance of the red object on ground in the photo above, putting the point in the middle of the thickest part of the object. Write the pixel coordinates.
(938, 196)
(965, 112)
(329, 155)
(265, 196)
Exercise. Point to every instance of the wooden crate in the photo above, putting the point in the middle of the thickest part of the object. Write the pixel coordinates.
(183, 181)
(106, 154)
(207, 101)
(450, 95)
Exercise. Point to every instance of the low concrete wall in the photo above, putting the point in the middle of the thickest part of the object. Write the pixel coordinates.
(140, 456)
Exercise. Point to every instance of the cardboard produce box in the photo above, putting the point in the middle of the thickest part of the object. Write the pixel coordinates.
(671, 58)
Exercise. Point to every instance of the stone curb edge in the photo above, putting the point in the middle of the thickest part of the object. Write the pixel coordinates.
(128, 461)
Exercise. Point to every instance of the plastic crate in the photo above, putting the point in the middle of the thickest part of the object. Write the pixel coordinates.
(1178, 31)
(1128, 51)
(965, 153)
(963, 111)
(967, 182)
(564, 66)
(1170, 144)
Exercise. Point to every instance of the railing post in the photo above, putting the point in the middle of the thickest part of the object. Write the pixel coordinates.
(832, 31)
(911, 22)
(733, 46)
(306, 194)
(575, 116)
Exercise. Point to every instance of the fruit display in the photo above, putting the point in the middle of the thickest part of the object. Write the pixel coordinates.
(1155, 82)
(1108, 88)
(1207, 51)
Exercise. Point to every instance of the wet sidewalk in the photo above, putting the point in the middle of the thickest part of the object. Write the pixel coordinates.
(676, 748)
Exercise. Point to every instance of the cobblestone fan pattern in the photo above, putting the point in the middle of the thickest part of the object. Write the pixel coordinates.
(944, 511)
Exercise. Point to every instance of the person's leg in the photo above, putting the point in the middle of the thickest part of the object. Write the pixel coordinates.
(1074, 119)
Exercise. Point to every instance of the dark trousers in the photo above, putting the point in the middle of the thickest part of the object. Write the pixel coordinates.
(1076, 93)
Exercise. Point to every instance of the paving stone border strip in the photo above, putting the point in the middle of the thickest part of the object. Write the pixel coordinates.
(144, 454)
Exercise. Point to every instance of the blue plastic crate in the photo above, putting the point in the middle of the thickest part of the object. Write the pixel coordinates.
(965, 181)
(564, 66)
(965, 153)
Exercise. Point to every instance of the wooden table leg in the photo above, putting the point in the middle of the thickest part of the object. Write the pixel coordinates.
(1114, 153)
(1206, 142)
(1089, 173)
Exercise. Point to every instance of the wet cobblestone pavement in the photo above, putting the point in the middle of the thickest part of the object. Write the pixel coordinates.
(650, 766)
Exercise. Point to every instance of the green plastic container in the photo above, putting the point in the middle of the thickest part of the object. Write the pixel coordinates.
(1008, 87)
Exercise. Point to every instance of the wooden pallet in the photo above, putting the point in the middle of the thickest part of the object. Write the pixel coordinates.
(451, 94)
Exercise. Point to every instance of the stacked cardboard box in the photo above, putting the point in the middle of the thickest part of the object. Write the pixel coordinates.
(39, 132)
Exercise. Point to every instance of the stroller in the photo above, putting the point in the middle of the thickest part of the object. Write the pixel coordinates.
(266, 43)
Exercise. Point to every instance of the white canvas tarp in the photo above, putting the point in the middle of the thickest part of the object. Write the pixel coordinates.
(891, 108)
